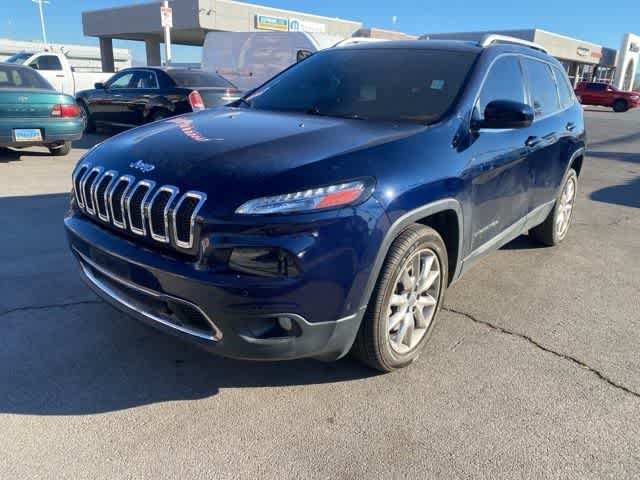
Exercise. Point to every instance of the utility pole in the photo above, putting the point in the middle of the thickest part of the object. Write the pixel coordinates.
(167, 23)
(44, 32)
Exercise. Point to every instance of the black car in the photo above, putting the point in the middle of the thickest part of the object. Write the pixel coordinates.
(136, 96)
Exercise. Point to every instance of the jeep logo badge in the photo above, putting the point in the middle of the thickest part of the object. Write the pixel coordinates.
(143, 167)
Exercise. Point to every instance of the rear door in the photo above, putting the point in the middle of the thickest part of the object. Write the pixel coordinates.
(545, 133)
(500, 174)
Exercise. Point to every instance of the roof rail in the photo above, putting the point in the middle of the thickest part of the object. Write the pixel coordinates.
(491, 38)
(357, 40)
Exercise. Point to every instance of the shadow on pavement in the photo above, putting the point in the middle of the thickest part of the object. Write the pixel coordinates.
(88, 140)
(523, 242)
(65, 352)
(15, 155)
(621, 156)
(627, 194)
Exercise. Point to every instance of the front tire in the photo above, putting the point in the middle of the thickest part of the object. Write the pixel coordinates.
(60, 150)
(555, 227)
(88, 125)
(404, 304)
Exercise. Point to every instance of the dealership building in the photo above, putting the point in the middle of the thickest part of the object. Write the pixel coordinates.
(583, 61)
(193, 19)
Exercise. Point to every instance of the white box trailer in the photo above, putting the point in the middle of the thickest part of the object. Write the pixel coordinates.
(248, 59)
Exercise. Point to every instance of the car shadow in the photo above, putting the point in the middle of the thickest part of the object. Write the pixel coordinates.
(15, 155)
(523, 242)
(627, 194)
(63, 351)
(89, 140)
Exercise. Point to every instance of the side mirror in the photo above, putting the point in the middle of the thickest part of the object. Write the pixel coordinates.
(501, 114)
(302, 54)
(35, 66)
(99, 85)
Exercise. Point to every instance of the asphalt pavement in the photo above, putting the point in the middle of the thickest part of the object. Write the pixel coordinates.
(532, 372)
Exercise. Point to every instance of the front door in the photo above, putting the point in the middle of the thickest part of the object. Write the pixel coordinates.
(499, 170)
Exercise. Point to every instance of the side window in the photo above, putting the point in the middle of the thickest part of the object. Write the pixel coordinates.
(121, 80)
(503, 82)
(145, 79)
(46, 62)
(565, 91)
(596, 87)
(542, 87)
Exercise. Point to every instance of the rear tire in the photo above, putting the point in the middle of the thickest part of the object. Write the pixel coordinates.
(555, 227)
(404, 304)
(620, 105)
(60, 151)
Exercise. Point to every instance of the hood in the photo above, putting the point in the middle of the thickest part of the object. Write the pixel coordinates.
(236, 154)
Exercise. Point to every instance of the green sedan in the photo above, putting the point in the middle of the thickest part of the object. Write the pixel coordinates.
(32, 113)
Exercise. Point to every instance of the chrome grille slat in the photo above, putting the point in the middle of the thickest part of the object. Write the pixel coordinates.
(178, 236)
(100, 200)
(128, 180)
(171, 193)
(87, 184)
(148, 184)
(77, 180)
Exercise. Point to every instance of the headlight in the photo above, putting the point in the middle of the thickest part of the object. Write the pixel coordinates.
(331, 196)
(635, 97)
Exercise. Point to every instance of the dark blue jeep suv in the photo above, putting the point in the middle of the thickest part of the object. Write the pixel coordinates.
(328, 210)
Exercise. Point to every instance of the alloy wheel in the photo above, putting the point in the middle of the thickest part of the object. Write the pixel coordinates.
(565, 209)
(414, 300)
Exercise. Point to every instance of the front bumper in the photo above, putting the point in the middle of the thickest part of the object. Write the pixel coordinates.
(53, 130)
(177, 297)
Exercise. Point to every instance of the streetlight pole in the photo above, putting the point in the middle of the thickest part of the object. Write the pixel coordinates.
(44, 32)
(167, 38)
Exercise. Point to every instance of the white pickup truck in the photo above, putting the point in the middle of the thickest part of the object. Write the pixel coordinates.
(56, 69)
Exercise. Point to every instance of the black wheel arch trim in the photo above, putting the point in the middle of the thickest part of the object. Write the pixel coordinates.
(402, 223)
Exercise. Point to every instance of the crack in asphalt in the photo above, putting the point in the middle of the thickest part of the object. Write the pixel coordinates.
(49, 306)
(538, 345)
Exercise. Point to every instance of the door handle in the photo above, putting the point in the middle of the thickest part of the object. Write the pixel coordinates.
(532, 141)
(571, 126)
(60, 76)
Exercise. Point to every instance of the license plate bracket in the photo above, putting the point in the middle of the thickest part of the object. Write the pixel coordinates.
(27, 135)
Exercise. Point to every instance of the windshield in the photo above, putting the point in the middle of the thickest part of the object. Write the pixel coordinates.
(21, 77)
(19, 58)
(195, 78)
(394, 84)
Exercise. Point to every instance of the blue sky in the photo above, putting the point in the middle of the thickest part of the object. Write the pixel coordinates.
(587, 20)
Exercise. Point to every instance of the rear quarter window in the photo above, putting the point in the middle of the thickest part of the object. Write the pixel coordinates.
(195, 79)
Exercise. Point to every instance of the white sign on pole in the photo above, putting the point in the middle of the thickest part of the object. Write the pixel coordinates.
(166, 17)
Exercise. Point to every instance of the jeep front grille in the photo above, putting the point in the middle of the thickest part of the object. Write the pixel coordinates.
(161, 213)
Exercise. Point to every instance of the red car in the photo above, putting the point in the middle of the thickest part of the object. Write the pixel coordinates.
(605, 95)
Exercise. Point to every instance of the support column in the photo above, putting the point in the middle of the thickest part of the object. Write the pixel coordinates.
(106, 54)
(152, 47)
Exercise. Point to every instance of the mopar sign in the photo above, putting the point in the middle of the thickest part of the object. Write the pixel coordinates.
(265, 22)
